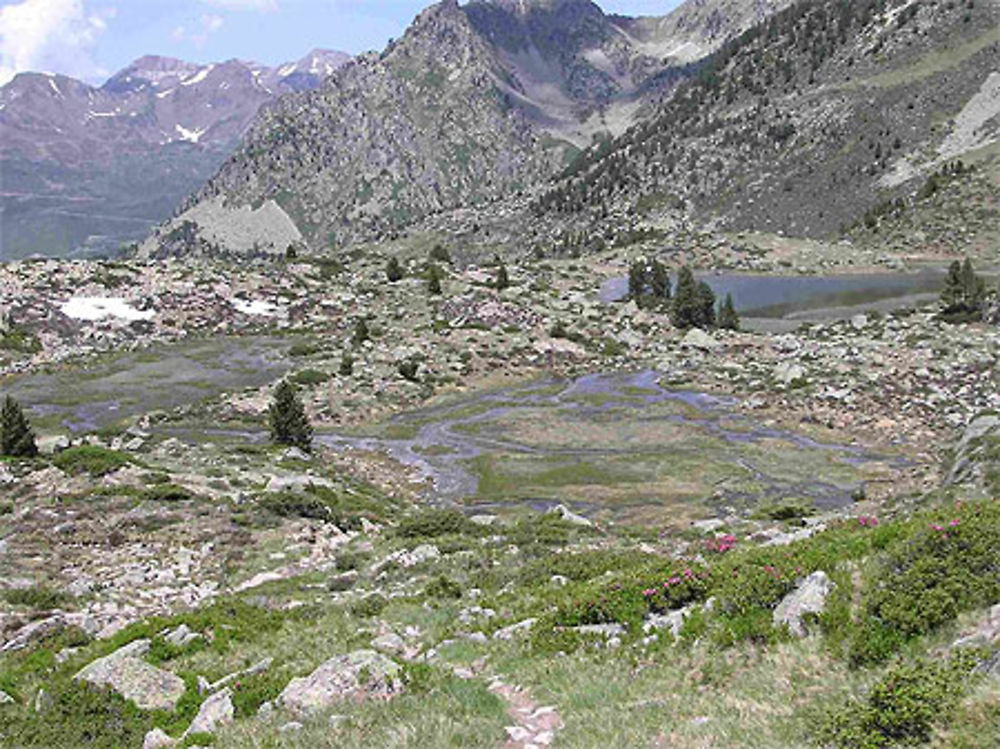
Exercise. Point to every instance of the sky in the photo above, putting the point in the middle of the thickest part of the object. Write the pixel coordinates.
(92, 39)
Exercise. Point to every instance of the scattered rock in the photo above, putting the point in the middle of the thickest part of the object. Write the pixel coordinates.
(216, 711)
(157, 739)
(808, 598)
(698, 338)
(5, 699)
(514, 630)
(361, 675)
(569, 516)
(150, 688)
(389, 643)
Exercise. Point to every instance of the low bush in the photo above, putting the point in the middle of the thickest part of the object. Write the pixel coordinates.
(432, 523)
(947, 563)
(344, 507)
(902, 708)
(37, 597)
(166, 493)
(93, 459)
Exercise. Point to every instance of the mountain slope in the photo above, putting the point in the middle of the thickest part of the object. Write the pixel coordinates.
(475, 103)
(86, 165)
(808, 121)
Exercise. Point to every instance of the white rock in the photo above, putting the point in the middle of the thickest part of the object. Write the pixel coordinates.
(216, 711)
(808, 598)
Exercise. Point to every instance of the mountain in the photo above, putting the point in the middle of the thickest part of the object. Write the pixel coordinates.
(94, 167)
(473, 104)
(827, 115)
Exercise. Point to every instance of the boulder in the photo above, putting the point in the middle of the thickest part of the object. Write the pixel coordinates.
(157, 739)
(361, 675)
(808, 598)
(5, 699)
(389, 643)
(698, 338)
(569, 516)
(509, 633)
(216, 711)
(150, 688)
(788, 372)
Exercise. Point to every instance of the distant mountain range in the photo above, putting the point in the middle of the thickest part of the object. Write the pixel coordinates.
(474, 103)
(86, 168)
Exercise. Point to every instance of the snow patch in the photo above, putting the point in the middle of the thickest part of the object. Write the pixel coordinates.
(55, 87)
(198, 77)
(92, 113)
(93, 308)
(164, 94)
(189, 135)
(263, 309)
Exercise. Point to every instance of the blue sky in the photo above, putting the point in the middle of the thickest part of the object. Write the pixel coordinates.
(91, 39)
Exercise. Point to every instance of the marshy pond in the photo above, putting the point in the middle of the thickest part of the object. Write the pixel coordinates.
(617, 445)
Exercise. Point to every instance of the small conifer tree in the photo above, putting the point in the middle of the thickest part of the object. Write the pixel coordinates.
(434, 280)
(287, 417)
(361, 332)
(393, 270)
(346, 364)
(728, 319)
(503, 280)
(16, 437)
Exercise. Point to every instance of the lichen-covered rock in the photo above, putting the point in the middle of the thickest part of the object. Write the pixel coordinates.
(216, 711)
(808, 598)
(149, 687)
(157, 739)
(361, 675)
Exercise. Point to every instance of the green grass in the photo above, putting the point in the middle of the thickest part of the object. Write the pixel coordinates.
(92, 459)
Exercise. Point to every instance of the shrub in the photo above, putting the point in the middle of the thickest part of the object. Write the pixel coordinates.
(443, 587)
(250, 692)
(93, 459)
(309, 377)
(36, 597)
(408, 369)
(78, 716)
(948, 562)
(369, 606)
(166, 493)
(340, 507)
(433, 523)
(902, 707)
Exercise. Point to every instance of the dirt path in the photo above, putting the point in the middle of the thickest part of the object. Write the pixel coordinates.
(534, 727)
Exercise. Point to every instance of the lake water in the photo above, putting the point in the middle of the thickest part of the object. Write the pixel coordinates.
(787, 296)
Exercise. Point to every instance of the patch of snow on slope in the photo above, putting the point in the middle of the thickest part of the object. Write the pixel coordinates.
(93, 308)
(189, 135)
(264, 309)
(198, 77)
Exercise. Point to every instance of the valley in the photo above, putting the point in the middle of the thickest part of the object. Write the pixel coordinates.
(549, 378)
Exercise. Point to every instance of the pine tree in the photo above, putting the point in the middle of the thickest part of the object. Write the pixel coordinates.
(346, 364)
(503, 280)
(964, 292)
(706, 306)
(659, 282)
(727, 318)
(393, 270)
(951, 295)
(637, 282)
(361, 332)
(16, 437)
(288, 420)
(684, 312)
(434, 280)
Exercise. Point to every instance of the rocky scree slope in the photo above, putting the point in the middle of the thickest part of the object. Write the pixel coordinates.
(474, 104)
(807, 121)
(96, 166)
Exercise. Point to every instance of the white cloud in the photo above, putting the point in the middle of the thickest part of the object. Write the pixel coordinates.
(50, 35)
(263, 5)
(208, 25)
